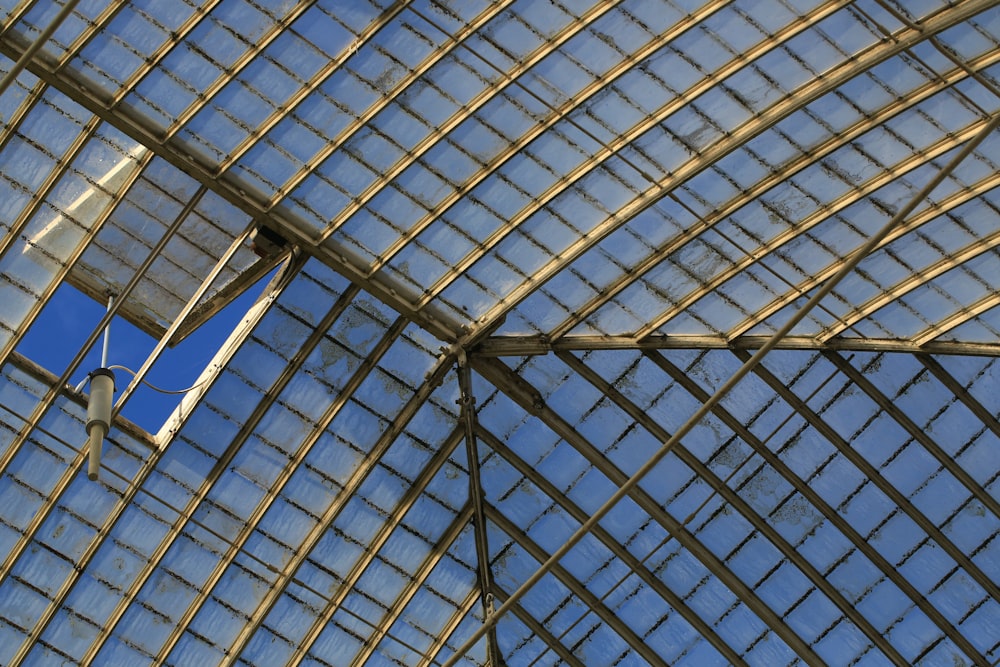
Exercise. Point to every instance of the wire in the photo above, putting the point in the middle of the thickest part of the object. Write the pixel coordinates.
(154, 387)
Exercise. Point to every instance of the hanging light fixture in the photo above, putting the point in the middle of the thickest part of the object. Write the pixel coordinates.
(102, 388)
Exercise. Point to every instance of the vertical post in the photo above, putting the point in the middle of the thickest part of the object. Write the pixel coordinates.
(107, 336)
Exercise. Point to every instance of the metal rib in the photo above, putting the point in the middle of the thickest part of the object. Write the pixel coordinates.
(758, 255)
(153, 59)
(358, 570)
(924, 216)
(835, 519)
(331, 513)
(982, 305)
(658, 189)
(340, 259)
(560, 113)
(441, 641)
(451, 534)
(733, 499)
(540, 631)
(60, 597)
(902, 503)
(947, 462)
(461, 115)
(250, 524)
(576, 588)
(515, 388)
(635, 565)
(752, 128)
(814, 155)
(335, 143)
(630, 484)
(197, 496)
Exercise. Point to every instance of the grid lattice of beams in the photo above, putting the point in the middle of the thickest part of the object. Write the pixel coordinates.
(630, 332)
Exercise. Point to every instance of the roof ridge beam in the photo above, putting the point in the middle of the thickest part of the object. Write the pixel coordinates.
(532, 345)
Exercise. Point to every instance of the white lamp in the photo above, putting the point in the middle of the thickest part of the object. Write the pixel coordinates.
(102, 388)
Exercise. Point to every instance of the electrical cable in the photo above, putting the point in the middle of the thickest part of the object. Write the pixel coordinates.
(154, 387)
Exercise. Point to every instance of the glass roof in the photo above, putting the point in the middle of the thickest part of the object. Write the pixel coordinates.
(641, 332)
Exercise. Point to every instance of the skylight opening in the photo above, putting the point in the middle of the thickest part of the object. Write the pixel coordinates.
(69, 317)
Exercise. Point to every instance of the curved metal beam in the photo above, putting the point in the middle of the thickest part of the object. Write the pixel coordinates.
(816, 277)
(382, 536)
(541, 632)
(331, 512)
(889, 407)
(281, 480)
(806, 159)
(987, 302)
(152, 60)
(658, 189)
(468, 109)
(231, 71)
(313, 84)
(340, 259)
(729, 495)
(768, 118)
(417, 579)
(635, 565)
(186, 513)
(629, 486)
(515, 388)
(858, 541)
(918, 279)
(874, 477)
(359, 122)
(558, 114)
(596, 606)
(821, 215)
(441, 641)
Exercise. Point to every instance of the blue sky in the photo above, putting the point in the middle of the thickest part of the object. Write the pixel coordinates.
(63, 326)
